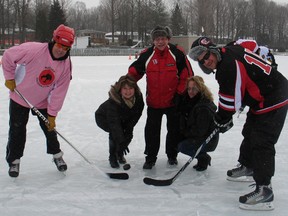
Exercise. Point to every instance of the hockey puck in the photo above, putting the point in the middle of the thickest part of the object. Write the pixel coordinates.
(126, 166)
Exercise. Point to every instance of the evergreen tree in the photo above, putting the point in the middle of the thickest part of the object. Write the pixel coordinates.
(158, 14)
(42, 34)
(177, 22)
(56, 16)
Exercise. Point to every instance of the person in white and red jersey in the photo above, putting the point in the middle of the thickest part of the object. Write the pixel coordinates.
(244, 77)
(167, 68)
(262, 51)
(41, 72)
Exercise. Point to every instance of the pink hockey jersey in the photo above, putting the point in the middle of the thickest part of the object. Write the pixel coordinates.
(43, 81)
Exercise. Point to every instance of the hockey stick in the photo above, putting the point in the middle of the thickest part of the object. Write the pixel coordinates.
(167, 182)
(122, 176)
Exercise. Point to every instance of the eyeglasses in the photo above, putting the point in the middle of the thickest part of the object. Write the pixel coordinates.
(65, 48)
(205, 57)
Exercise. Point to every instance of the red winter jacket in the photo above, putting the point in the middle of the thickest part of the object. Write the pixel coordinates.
(166, 74)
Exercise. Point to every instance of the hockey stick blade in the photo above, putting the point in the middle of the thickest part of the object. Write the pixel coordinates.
(167, 182)
(120, 176)
(158, 182)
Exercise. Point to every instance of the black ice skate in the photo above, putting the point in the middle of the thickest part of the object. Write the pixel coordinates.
(240, 174)
(261, 199)
(14, 168)
(59, 162)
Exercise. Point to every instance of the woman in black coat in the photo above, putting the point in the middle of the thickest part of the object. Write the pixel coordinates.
(118, 115)
(196, 121)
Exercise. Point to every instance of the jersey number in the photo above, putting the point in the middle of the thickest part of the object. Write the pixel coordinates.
(251, 60)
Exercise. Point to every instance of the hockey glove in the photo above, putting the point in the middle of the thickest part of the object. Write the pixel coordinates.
(275, 66)
(123, 147)
(223, 125)
(52, 123)
(126, 151)
(10, 84)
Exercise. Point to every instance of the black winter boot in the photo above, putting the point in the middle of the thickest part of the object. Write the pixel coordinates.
(148, 165)
(203, 161)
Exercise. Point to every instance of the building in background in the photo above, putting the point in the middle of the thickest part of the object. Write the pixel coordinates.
(13, 37)
(184, 41)
(96, 38)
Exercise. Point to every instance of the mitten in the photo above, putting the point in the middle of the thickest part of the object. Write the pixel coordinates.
(10, 84)
(123, 147)
(126, 150)
(52, 124)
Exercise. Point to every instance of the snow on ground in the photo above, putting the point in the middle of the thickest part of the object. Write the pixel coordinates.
(40, 190)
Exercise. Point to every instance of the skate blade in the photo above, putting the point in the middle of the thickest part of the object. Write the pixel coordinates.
(267, 206)
(241, 179)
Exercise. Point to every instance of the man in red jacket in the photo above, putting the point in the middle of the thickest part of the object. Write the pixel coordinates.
(167, 69)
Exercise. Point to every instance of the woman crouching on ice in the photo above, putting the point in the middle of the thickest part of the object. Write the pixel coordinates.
(196, 121)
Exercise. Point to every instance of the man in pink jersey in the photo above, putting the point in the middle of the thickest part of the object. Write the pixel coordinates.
(41, 72)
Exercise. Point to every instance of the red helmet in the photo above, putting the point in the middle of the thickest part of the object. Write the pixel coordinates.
(64, 35)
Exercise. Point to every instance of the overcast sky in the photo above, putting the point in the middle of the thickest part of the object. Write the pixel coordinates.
(95, 3)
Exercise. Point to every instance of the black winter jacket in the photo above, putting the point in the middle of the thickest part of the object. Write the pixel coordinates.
(196, 120)
(115, 117)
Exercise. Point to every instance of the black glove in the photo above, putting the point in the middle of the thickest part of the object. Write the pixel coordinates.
(275, 66)
(123, 147)
(223, 125)
(126, 151)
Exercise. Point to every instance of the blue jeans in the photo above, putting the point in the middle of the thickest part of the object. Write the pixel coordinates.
(190, 146)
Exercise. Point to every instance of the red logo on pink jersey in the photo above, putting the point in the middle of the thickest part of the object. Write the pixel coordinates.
(46, 77)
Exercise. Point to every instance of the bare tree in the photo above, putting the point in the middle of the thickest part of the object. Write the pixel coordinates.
(76, 16)
(22, 11)
(281, 40)
(223, 20)
(242, 20)
(158, 13)
(110, 10)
